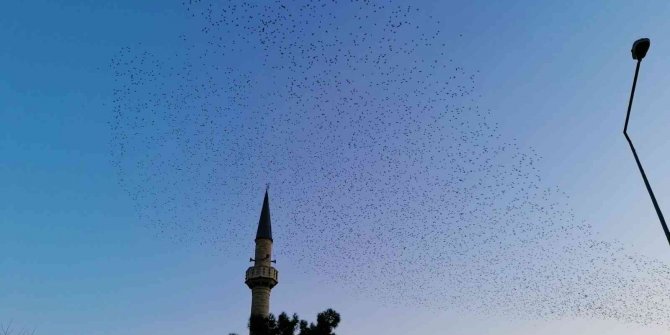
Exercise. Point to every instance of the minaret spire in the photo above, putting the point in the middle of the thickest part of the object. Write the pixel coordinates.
(264, 224)
(262, 277)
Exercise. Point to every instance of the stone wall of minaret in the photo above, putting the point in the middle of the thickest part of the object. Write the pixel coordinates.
(260, 300)
(262, 277)
(263, 255)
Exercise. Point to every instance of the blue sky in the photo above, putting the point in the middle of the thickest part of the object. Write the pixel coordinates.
(75, 256)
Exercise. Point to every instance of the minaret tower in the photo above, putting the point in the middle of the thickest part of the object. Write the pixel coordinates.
(262, 277)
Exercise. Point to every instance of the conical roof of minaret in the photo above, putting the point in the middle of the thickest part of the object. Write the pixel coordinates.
(264, 225)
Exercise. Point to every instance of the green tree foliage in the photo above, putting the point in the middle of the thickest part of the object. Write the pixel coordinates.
(326, 322)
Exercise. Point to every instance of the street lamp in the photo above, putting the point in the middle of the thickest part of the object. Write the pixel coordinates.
(639, 50)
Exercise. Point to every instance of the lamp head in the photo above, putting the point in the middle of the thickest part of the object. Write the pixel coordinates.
(640, 48)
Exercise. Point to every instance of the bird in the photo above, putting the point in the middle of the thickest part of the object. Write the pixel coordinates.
(391, 179)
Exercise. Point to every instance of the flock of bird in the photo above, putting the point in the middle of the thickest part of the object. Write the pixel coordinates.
(385, 175)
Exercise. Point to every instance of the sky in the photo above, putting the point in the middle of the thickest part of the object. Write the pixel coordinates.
(79, 255)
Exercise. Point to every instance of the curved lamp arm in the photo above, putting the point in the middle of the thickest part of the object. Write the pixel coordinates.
(639, 50)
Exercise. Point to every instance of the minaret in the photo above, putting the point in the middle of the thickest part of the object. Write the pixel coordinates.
(262, 277)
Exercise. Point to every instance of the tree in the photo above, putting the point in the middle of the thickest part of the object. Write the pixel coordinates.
(326, 322)
(286, 326)
(260, 325)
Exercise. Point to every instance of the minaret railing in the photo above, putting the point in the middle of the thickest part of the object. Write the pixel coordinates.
(261, 272)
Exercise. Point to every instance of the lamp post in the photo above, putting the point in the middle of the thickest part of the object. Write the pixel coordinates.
(639, 50)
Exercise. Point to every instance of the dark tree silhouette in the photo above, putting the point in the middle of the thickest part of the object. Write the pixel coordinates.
(286, 326)
(326, 322)
(259, 325)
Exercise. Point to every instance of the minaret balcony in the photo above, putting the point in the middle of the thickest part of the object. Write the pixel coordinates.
(261, 275)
